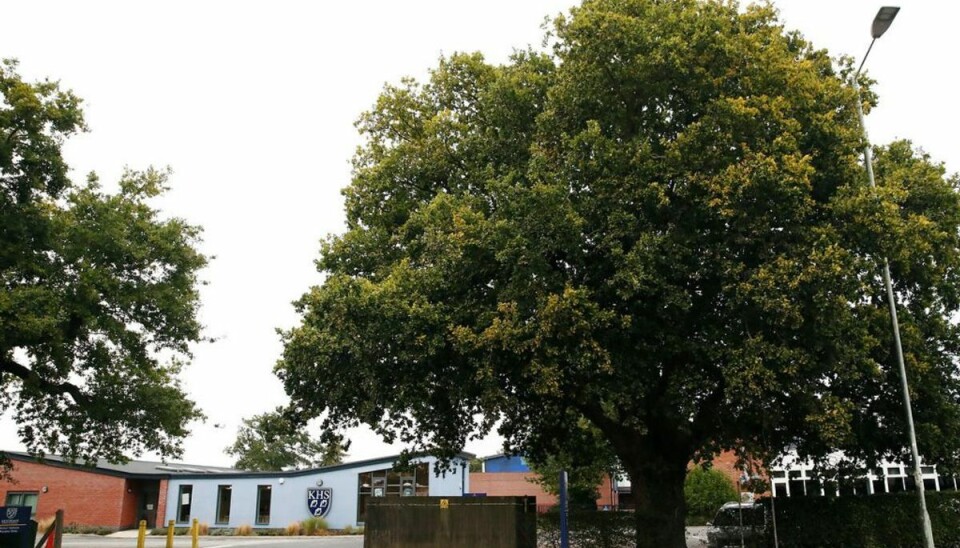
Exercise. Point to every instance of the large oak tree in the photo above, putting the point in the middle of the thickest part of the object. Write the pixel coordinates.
(98, 292)
(662, 227)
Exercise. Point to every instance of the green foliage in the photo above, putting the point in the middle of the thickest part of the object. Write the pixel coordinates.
(586, 468)
(705, 490)
(78, 529)
(661, 227)
(314, 526)
(269, 441)
(96, 286)
(875, 521)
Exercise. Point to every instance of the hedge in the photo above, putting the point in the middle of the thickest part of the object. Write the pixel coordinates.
(588, 528)
(867, 521)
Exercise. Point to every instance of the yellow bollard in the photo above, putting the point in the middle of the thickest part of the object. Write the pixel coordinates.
(194, 531)
(142, 534)
(170, 534)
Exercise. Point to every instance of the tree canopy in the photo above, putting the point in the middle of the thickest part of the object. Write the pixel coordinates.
(269, 441)
(705, 490)
(661, 226)
(99, 298)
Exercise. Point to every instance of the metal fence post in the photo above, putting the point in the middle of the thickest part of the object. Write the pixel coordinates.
(564, 532)
(58, 530)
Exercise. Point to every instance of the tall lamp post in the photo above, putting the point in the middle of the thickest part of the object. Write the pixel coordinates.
(880, 25)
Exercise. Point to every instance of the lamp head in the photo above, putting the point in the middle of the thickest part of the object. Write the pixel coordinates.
(883, 20)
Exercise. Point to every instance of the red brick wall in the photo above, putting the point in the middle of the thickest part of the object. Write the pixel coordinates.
(726, 462)
(86, 498)
(514, 484)
(128, 506)
(510, 484)
(161, 505)
(608, 497)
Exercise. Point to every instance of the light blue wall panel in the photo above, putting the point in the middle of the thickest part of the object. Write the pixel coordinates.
(289, 494)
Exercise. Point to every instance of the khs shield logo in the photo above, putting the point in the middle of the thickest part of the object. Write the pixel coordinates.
(12, 512)
(319, 500)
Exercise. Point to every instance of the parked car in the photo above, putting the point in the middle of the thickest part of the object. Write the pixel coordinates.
(739, 524)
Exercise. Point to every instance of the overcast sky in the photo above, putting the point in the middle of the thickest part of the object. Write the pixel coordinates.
(252, 104)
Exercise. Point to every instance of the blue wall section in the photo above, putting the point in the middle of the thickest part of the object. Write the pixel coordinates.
(505, 464)
(289, 493)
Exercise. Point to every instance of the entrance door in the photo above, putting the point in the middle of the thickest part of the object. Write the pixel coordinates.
(149, 495)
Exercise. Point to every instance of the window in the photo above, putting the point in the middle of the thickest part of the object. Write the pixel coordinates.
(28, 498)
(183, 503)
(877, 484)
(798, 484)
(895, 479)
(223, 503)
(263, 504)
(411, 482)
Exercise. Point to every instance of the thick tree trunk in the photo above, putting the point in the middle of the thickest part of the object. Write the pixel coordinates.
(657, 486)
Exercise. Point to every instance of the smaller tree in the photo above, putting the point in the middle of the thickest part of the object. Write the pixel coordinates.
(476, 465)
(705, 491)
(270, 441)
(587, 460)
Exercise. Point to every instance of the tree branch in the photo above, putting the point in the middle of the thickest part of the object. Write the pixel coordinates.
(8, 365)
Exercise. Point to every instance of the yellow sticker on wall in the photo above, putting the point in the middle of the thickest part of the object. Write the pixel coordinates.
(444, 504)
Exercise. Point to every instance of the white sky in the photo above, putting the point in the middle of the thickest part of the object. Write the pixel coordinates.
(253, 103)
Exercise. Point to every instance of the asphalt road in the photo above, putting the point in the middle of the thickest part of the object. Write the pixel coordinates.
(94, 541)
(696, 538)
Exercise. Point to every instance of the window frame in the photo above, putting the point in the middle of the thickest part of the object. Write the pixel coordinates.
(21, 494)
(221, 490)
(261, 489)
(184, 487)
(390, 483)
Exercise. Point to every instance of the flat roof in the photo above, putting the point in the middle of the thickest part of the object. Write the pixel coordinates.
(152, 469)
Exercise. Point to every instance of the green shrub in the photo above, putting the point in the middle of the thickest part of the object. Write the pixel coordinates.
(705, 491)
(269, 532)
(866, 521)
(314, 526)
(77, 529)
(162, 531)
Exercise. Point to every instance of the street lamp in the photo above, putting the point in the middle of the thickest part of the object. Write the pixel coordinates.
(880, 25)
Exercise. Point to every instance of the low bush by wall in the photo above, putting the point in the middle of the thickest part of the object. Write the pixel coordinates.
(868, 521)
(588, 528)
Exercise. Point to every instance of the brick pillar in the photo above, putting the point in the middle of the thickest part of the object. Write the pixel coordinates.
(161, 505)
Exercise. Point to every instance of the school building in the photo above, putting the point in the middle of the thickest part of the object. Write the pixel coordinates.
(120, 495)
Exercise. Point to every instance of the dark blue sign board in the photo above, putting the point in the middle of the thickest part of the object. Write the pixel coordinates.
(17, 530)
(319, 501)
